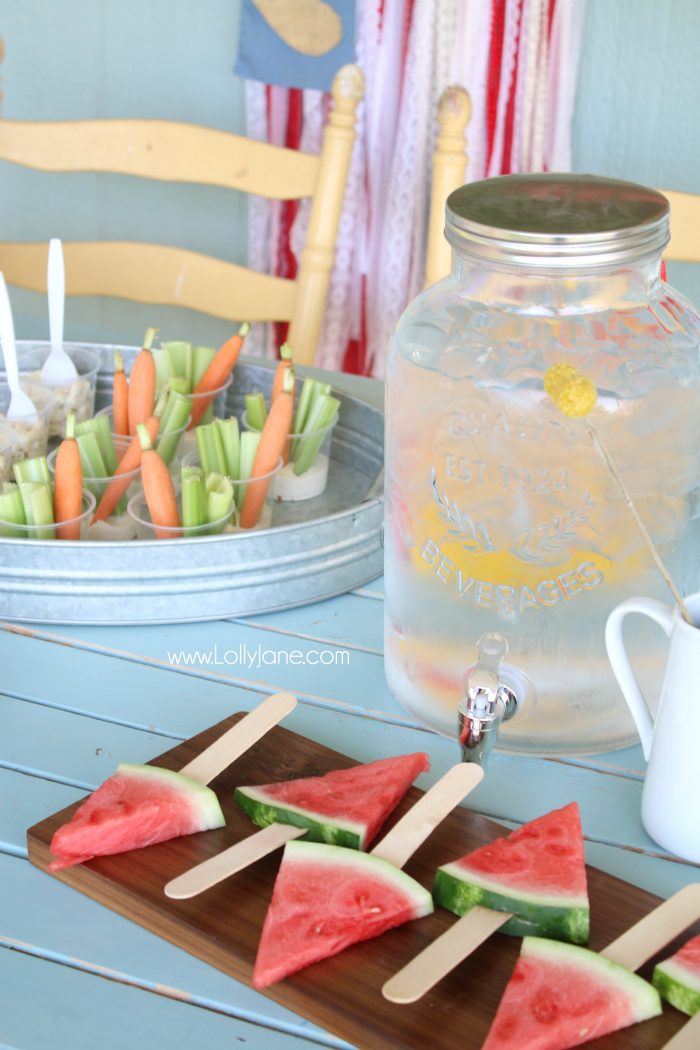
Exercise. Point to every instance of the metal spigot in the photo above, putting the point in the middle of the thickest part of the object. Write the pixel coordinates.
(487, 703)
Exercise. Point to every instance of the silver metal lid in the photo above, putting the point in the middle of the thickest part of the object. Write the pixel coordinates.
(556, 221)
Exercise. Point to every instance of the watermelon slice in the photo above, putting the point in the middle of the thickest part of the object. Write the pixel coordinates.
(344, 808)
(537, 872)
(560, 995)
(326, 898)
(678, 978)
(137, 806)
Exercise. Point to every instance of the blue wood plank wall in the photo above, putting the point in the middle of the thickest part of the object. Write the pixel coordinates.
(636, 118)
(82, 59)
(638, 104)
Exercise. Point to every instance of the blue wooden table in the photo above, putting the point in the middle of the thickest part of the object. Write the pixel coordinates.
(77, 700)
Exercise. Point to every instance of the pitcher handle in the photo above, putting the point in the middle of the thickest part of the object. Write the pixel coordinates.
(619, 661)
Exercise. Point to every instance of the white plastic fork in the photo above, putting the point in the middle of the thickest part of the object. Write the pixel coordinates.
(21, 406)
(58, 367)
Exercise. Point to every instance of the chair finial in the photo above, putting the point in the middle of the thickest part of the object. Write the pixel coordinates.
(348, 87)
(454, 109)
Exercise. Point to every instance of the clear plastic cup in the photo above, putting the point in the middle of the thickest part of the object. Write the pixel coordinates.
(262, 486)
(188, 445)
(146, 530)
(5, 454)
(119, 526)
(78, 396)
(213, 403)
(9, 530)
(28, 435)
(174, 440)
(98, 485)
(290, 486)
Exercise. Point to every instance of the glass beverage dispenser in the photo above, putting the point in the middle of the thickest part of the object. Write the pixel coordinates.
(500, 514)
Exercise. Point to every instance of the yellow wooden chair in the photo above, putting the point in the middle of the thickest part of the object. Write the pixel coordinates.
(684, 245)
(174, 152)
(449, 170)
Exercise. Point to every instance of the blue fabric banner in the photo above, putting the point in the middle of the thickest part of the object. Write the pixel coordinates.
(295, 43)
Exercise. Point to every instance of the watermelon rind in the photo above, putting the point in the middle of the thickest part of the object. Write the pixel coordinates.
(199, 795)
(562, 995)
(644, 998)
(678, 986)
(363, 862)
(641, 992)
(264, 810)
(111, 820)
(557, 916)
(327, 898)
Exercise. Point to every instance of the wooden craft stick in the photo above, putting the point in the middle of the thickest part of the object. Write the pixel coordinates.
(216, 869)
(239, 738)
(414, 827)
(448, 792)
(455, 944)
(655, 930)
(447, 951)
(632, 949)
(649, 936)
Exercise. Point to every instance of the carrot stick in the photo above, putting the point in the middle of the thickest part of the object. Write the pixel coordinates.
(129, 462)
(120, 398)
(158, 488)
(217, 373)
(285, 362)
(274, 436)
(142, 384)
(68, 484)
(282, 368)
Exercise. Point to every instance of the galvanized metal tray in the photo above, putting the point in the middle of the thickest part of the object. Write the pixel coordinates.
(315, 549)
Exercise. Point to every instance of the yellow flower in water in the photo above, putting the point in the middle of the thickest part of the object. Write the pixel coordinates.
(571, 392)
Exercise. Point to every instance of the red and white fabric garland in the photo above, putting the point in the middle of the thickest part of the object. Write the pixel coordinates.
(519, 61)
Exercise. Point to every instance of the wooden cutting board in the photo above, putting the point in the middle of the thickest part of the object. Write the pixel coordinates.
(342, 994)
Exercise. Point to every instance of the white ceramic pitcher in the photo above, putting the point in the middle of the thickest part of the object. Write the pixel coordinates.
(671, 741)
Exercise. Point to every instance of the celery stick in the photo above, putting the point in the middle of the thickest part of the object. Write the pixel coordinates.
(92, 462)
(211, 449)
(323, 414)
(105, 440)
(303, 406)
(180, 355)
(173, 411)
(202, 357)
(249, 446)
(100, 427)
(211, 481)
(162, 401)
(321, 389)
(219, 499)
(166, 405)
(176, 413)
(38, 507)
(255, 411)
(194, 499)
(164, 369)
(311, 390)
(36, 470)
(231, 442)
(11, 510)
(179, 384)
